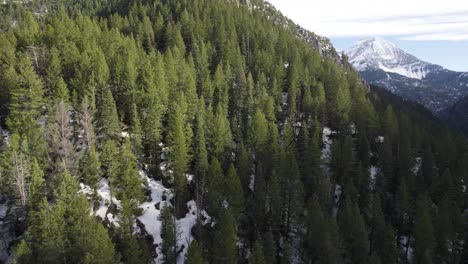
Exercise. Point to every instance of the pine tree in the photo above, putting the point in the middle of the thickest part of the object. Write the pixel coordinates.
(234, 193)
(292, 191)
(178, 155)
(107, 118)
(127, 179)
(194, 255)
(321, 243)
(91, 167)
(135, 130)
(89, 240)
(383, 238)
(423, 232)
(25, 107)
(269, 248)
(257, 257)
(168, 235)
(132, 251)
(23, 253)
(224, 240)
(354, 233)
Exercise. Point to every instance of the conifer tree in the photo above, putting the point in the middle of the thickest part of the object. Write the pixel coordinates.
(23, 253)
(383, 239)
(224, 240)
(36, 186)
(423, 232)
(321, 243)
(354, 233)
(256, 256)
(91, 167)
(179, 152)
(168, 235)
(107, 118)
(132, 251)
(89, 240)
(127, 179)
(234, 193)
(194, 255)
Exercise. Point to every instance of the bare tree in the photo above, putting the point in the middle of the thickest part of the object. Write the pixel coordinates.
(61, 139)
(20, 174)
(86, 124)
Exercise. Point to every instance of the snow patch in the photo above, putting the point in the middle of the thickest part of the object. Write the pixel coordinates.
(379, 139)
(160, 197)
(104, 195)
(417, 165)
(252, 182)
(326, 142)
(373, 173)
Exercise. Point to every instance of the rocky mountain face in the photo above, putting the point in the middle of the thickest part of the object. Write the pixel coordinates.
(382, 63)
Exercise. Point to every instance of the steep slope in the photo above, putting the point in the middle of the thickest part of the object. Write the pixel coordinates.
(215, 128)
(383, 63)
(457, 115)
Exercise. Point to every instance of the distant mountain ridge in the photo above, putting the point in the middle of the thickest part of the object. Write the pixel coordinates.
(382, 63)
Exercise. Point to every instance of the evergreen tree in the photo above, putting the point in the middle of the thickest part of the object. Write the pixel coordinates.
(126, 180)
(168, 235)
(224, 241)
(107, 118)
(383, 238)
(91, 167)
(194, 255)
(132, 250)
(423, 232)
(179, 155)
(354, 233)
(234, 193)
(257, 257)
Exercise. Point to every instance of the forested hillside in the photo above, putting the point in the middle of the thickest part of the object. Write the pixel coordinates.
(210, 131)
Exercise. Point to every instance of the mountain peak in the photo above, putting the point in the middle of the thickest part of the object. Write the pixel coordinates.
(377, 53)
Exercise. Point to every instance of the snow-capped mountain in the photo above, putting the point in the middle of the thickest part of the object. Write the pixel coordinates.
(377, 53)
(382, 63)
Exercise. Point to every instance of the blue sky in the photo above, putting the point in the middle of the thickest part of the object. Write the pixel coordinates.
(433, 30)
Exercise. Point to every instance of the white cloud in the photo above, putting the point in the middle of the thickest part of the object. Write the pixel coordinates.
(407, 19)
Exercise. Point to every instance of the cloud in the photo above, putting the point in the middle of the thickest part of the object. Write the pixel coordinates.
(405, 19)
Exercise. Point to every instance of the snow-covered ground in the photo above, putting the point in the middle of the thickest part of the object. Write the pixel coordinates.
(417, 165)
(104, 194)
(160, 197)
(404, 243)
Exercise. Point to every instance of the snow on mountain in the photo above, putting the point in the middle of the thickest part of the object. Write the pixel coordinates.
(377, 53)
(383, 64)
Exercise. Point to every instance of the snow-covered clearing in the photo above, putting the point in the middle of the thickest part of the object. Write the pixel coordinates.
(161, 196)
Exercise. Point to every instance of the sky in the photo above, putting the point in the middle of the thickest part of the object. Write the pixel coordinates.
(435, 31)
